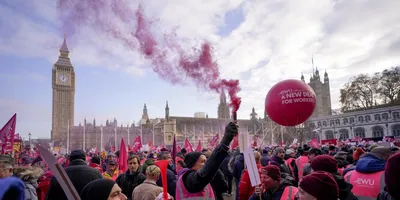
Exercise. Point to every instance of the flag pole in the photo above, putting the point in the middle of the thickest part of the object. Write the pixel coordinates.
(68, 137)
(101, 137)
(84, 137)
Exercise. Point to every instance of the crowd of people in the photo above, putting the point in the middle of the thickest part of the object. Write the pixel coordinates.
(347, 172)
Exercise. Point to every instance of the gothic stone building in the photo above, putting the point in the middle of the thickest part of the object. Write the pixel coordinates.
(322, 94)
(372, 123)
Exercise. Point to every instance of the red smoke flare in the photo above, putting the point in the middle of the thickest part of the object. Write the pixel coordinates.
(100, 15)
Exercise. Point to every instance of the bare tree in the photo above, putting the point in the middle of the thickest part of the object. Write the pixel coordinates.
(388, 86)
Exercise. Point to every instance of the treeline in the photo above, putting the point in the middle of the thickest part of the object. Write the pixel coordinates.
(367, 91)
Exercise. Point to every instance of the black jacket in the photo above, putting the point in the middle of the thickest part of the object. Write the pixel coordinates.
(196, 181)
(385, 196)
(219, 185)
(80, 175)
(128, 182)
(344, 188)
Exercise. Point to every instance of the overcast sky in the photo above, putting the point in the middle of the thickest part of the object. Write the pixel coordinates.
(259, 42)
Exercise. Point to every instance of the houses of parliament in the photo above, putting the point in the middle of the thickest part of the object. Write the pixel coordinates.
(158, 131)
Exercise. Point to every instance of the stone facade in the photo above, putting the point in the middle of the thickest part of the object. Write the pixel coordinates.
(372, 123)
(323, 94)
(63, 84)
(223, 107)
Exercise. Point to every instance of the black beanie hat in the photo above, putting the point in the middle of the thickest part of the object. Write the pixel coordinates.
(77, 154)
(191, 158)
(98, 189)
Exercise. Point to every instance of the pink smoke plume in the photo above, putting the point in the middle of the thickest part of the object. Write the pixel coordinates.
(199, 65)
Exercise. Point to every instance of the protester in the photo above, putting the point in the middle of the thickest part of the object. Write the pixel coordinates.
(112, 171)
(318, 186)
(370, 167)
(171, 178)
(29, 175)
(129, 180)
(314, 152)
(149, 189)
(301, 161)
(95, 163)
(277, 160)
(272, 185)
(246, 190)
(6, 166)
(392, 177)
(79, 173)
(102, 189)
(194, 181)
(330, 165)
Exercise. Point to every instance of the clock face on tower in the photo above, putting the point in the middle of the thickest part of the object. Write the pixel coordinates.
(63, 78)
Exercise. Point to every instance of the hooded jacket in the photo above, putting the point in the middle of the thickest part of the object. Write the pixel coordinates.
(344, 188)
(29, 175)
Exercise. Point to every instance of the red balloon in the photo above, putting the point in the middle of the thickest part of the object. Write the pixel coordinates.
(290, 102)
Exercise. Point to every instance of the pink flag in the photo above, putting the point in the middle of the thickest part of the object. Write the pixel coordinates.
(213, 142)
(123, 157)
(137, 144)
(179, 148)
(188, 146)
(198, 148)
(314, 143)
(7, 134)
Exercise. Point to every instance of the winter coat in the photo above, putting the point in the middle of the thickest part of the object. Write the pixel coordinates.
(276, 195)
(245, 188)
(44, 184)
(29, 175)
(219, 185)
(128, 182)
(279, 162)
(265, 159)
(196, 180)
(238, 167)
(80, 175)
(344, 188)
(96, 166)
(385, 196)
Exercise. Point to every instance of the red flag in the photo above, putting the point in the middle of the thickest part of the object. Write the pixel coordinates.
(150, 143)
(314, 143)
(179, 148)
(198, 148)
(137, 144)
(235, 142)
(123, 157)
(7, 134)
(188, 146)
(213, 142)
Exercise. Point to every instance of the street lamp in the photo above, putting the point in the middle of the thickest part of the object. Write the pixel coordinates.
(29, 140)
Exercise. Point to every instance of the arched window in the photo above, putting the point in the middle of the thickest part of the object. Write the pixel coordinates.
(332, 123)
(345, 120)
(329, 135)
(319, 124)
(324, 123)
(377, 131)
(385, 116)
(344, 134)
(367, 118)
(396, 130)
(337, 121)
(351, 120)
(360, 119)
(396, 115)
(377, 117)
(359, 131)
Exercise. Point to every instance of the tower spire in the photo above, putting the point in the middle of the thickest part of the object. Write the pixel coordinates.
(64, 47)
(312, 63)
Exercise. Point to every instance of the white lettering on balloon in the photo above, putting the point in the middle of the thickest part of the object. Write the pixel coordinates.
(296, 96)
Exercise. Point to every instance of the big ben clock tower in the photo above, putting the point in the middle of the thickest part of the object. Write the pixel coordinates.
(63, 84)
